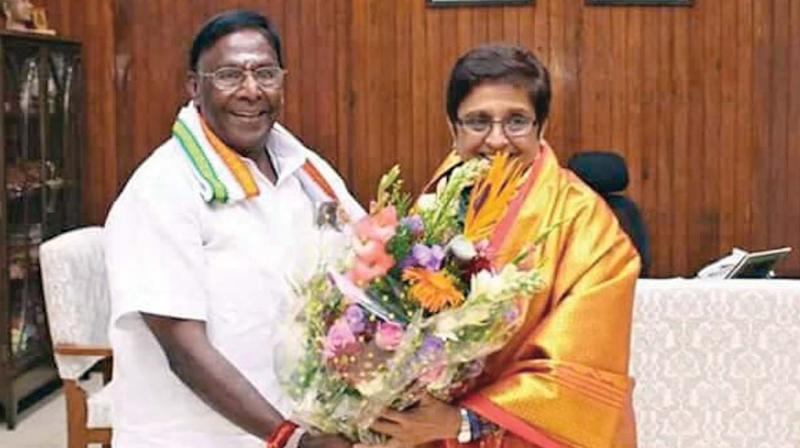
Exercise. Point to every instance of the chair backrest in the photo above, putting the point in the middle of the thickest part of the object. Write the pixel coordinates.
(631, 221)
(76, 295)
(607, 174)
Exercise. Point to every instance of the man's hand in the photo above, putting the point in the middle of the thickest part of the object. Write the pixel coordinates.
(324, 441)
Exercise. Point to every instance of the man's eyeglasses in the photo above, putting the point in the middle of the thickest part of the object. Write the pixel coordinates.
(231, 78)
(516, 126)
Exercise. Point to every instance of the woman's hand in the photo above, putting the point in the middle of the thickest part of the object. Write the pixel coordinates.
(429, 421)
(323, 441)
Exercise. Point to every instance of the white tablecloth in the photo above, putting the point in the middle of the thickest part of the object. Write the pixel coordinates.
(717, 363)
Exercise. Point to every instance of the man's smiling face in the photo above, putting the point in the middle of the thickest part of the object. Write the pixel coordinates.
(242, 117)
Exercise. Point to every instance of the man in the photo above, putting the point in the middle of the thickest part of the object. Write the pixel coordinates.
(199, 246)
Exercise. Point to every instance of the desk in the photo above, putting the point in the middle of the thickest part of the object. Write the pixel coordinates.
(717, 363)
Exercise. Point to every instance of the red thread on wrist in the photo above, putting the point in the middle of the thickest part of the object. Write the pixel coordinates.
(281, 435)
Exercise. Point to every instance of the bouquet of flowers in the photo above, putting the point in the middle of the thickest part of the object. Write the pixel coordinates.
(414, 305)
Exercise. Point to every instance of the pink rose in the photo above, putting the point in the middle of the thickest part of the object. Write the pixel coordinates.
(339, 337)
(433, 374)
(389, 335)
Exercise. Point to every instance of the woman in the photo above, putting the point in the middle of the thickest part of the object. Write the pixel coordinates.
(562, 379)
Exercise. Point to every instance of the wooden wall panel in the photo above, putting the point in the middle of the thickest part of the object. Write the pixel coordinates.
(704, 102)
(153, 40)
(92, 24)
(793, 124)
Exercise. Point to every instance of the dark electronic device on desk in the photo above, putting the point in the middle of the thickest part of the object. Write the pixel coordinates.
(758, 264)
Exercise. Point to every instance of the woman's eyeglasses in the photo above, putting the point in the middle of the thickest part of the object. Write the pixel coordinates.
(513, 127)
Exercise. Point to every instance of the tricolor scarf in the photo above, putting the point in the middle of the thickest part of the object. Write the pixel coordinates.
(223, 176)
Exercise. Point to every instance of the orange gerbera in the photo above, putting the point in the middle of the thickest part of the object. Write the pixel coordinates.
(433, 290)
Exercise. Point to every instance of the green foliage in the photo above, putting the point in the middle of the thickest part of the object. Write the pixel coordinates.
(390, 192)
(401, 243)
(389, 291)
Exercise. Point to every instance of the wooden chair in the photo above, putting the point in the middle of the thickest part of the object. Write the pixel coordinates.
(77, 300)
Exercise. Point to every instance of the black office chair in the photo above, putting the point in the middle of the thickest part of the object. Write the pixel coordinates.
(607, 174)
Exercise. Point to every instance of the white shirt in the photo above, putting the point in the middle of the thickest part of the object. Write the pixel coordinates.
(169, 253)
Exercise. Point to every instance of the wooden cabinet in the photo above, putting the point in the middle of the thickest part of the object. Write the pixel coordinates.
(41, 145)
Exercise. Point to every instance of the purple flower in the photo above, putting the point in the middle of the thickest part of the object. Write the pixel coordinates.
(431, 355)
(426, 257)
(407, 262)
(414, 224)
(511, 315)
(432, 349)
(354, 316)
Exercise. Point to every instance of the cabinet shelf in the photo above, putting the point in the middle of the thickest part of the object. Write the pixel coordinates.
(20, 192)
(20, 272)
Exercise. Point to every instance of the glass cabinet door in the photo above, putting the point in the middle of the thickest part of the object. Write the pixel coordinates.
(25, 98)
(61, 165)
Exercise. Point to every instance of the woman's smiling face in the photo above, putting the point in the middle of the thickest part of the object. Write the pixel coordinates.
(497, 116)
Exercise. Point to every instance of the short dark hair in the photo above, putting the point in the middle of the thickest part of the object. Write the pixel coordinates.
(230, 22)
(500, 63)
